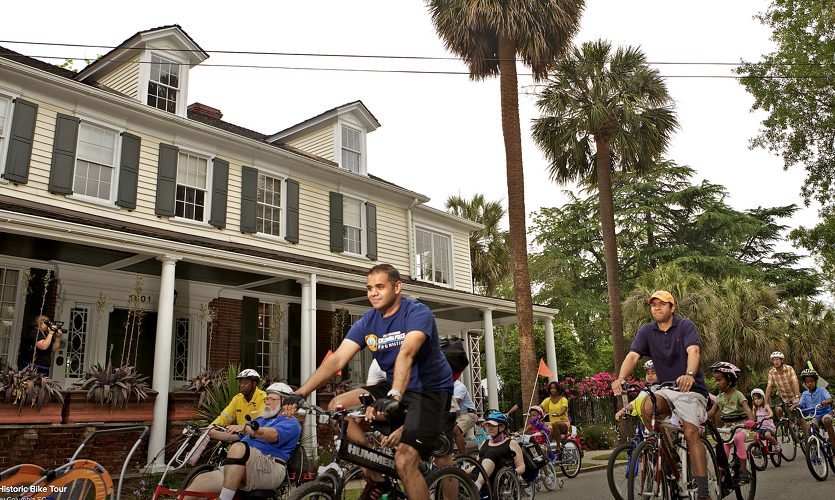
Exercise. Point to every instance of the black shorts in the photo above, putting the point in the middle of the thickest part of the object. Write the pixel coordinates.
(425, 419)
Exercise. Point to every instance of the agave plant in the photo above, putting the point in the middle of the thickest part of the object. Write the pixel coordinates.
(203, 381)
(220, 394)
(114, 385)
(337, 385)
(28, 386)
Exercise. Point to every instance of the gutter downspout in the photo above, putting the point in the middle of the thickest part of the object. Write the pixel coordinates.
(411, 239)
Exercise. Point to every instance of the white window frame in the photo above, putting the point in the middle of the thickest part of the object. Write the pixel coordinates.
(145, 78)
(363, 226)
(114, 180)
(361, 152)
(207, 202)
(448, 236)
(279, 344)
(282, 183)
(4, 133)
(17, 318)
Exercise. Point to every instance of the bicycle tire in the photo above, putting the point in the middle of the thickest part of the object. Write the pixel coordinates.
(776, 458)
(200, 469)
(714, 478)
(746, 490)
(787, 442)
(465, 486)
(549, 477)
(757, 456)
(815, 459)
(616, 473)
(354, 473)
(465, 462)
(506, 485)
(313, 490)
(572, 467)
(642, 479)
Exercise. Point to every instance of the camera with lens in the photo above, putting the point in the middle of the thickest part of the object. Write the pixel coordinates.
(56, 326)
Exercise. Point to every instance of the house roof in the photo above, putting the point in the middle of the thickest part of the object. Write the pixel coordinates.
(371, 122)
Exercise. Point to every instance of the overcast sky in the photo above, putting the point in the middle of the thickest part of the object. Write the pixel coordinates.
(441, 134)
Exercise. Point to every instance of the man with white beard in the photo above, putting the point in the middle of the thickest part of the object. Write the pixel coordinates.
(257, 459)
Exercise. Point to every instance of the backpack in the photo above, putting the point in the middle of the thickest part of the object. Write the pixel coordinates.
(534, 459)
(297, 464)
(455, 354)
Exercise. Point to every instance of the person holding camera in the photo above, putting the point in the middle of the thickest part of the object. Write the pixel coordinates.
(37, 346)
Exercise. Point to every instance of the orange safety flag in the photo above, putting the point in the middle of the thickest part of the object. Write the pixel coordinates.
(543, 369)
(326, 358)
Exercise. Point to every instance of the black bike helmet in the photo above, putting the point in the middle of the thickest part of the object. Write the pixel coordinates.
(809, 373)
(729, 369)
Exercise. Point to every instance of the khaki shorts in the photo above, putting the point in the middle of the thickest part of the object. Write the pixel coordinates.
(465, 421)
(262, 472)
(817, 421)
(689, 407)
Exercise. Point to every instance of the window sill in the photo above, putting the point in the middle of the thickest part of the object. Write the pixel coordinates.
(269, 237)
(445, 285)
(94, 201)
(354, 256)
(190, 222)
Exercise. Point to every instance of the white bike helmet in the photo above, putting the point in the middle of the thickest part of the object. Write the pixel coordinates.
(649, 365)
(248, 373)
(777, 354)
(757, 391)
(279, 388)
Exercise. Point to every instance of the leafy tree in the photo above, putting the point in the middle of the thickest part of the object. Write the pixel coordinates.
(604, 111)
(809, 334)
(489, 247)
(488, 35)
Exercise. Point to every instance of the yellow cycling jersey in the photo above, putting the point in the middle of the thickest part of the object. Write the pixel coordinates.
(240, 408)
(552, 407)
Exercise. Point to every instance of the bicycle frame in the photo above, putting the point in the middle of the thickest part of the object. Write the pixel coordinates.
(815, 431)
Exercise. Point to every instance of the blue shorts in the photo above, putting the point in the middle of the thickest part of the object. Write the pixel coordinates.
(764, 432)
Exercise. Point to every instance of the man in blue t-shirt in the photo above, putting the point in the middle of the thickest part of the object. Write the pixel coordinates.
(257, 460)
(674, 347)
(403, 338)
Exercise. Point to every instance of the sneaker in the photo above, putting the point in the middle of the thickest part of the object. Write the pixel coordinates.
(777, 448)
(374, 490)
(744, 476)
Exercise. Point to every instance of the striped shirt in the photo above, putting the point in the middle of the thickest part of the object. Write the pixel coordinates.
(783, 382)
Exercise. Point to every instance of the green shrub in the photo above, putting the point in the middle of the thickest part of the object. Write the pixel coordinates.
(604, 436)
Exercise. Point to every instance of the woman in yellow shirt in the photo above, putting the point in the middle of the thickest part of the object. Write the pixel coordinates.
(557, 407)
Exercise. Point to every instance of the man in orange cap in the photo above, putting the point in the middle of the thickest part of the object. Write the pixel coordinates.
(673, 345)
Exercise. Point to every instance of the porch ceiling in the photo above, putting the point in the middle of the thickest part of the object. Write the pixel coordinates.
(29, 247)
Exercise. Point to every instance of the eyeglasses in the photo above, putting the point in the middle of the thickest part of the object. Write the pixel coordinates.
(273, 400)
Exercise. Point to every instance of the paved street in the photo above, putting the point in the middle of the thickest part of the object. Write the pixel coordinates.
(791, 480)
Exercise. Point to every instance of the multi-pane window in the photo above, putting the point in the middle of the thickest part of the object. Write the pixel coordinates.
(8, 300)
(180, 371)
(163, 84)
(432, 256)
(352, 225)
(269, 205)
(351, 149)
(192, 172)
(5, 106)
(269, 340)
(95, 162)
(77, 341)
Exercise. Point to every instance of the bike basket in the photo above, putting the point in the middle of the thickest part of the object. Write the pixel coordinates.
(534, 459)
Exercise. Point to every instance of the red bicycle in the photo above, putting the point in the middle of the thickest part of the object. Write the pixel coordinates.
(761, 451)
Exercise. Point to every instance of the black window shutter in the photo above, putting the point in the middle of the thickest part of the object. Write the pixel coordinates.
(249, 199)
(371, 230)
(337, 238)
(63, 154)
(220, 192)
(249, 333)
(292, 232)
(128, 171)
(166, 180)
(21, 136)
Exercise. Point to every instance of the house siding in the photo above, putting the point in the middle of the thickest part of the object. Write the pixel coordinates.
(125, 78)
(319, 143)
(462, 266)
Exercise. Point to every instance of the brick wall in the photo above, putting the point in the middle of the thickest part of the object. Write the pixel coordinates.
(226, 336)
(324, 325)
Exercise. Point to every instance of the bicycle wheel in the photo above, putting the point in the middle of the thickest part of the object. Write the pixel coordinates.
(746, 490)
(788, 444)
(354, 474)
(506, 485)
(776, 458)
(313, 490)
(200, 469)
(642, 477)
(713, 479)
(616, 473)
(756, 454)
(467, 462)
(571, 459)
(548, 474)
(451, 482)
(815, 458)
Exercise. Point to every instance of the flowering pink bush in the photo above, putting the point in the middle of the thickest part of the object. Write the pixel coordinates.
(598, 386)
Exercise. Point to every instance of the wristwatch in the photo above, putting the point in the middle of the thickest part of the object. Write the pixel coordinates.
(691, 374)
(394, 392)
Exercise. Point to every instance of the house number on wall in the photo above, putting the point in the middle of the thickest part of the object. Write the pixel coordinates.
(145, 298)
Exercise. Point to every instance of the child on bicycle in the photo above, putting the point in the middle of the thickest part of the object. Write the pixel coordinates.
(535, 423)
(733, 408)
(765, 417)
(634, 407)
(812, 397)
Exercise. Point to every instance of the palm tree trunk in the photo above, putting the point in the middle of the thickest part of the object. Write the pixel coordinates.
(610, 246)
(516, 211)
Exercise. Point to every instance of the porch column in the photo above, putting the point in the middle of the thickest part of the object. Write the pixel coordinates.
(162, 357)
(490, 355)
(312, 337)
(550, 349)
(306, 365)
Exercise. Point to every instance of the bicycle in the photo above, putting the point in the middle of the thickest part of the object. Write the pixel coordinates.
(729, 469)
(656, 472)
(570, 458)
(617, 474)
(760, 451)
(818, 448)
(787, 434)
(332, 478)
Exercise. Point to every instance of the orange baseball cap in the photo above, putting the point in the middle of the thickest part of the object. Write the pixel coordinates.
(662, 295)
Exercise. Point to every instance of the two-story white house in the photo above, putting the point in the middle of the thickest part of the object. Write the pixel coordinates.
(107, 175)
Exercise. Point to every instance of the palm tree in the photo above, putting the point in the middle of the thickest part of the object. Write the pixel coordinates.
(488, 35)
(603, 112)
(810, 335)
(490, 246)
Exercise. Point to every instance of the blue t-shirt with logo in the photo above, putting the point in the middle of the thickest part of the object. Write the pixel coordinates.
(809, 400)
(289, 430)
(384, 336)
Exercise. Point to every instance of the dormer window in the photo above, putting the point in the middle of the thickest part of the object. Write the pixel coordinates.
(164, 84)
(351, 149)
